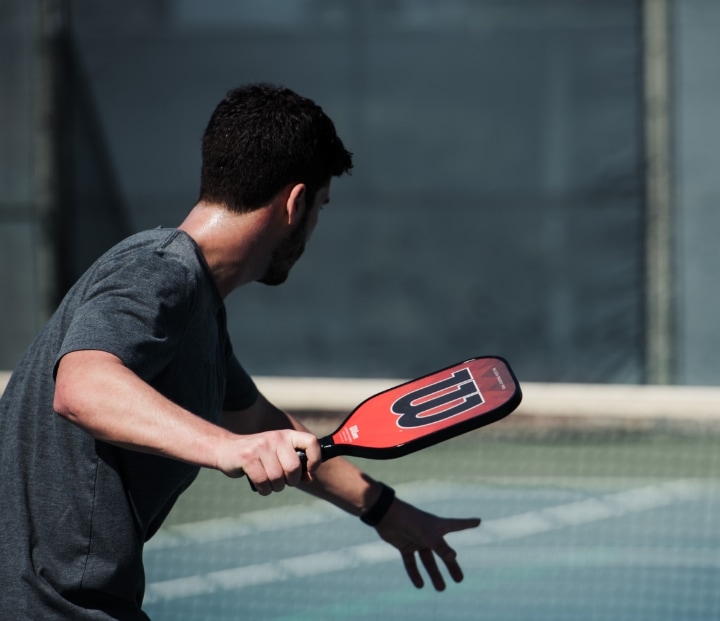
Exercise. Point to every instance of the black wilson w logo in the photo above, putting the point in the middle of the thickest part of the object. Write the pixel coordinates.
(438, 401)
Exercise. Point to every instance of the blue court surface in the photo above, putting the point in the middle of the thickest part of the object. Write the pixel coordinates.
(550, 548)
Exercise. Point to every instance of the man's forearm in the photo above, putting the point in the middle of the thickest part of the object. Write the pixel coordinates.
(95, 391)
(338, 481)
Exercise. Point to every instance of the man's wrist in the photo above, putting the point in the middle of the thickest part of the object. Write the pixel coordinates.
(376, 513)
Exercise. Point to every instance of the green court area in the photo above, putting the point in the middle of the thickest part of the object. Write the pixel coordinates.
(598, 524)
(513, 454)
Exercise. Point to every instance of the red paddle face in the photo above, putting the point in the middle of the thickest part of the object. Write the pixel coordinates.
(430, 409)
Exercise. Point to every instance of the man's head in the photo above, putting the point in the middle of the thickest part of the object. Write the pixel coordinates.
(260, 139)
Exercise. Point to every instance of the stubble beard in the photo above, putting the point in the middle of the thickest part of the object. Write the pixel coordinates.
(285, 256)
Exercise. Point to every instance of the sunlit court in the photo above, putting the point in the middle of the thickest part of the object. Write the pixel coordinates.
(592, 508)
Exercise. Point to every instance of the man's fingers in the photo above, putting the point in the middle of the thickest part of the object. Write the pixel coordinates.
(427, 556)
(453, 566)
(453, 525)
(412, 569)
(276, 472)
(428, 559)
(311, 450)
(292, 465)
(274, 460)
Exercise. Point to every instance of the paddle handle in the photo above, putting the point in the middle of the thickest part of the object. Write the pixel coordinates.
(328, 450)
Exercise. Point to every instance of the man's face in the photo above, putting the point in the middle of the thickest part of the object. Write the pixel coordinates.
(292, 248)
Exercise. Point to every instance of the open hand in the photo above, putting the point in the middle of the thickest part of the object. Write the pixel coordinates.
(413, 531)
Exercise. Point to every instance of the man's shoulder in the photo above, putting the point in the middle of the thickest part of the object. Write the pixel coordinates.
(160, 244)
(159, 240)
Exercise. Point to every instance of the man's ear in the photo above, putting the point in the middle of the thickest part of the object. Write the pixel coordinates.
(295, 204)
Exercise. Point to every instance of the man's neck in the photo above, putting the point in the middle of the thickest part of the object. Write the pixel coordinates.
(236, 246)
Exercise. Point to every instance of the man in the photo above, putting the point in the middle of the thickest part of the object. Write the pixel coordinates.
(132, 386)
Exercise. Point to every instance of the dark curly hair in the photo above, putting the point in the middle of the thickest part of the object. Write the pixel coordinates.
(262, 137)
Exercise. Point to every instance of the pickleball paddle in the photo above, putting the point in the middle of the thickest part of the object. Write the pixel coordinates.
(427, 410)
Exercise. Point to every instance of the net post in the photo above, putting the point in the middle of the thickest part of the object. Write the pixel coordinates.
(659, 313)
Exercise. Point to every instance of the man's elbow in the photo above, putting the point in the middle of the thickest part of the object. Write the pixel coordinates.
(71, 391)
(64, 400)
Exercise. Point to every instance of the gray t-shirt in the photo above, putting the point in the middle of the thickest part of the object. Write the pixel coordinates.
(75, 511)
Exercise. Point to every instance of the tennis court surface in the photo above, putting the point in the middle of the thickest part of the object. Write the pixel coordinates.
(614, 522)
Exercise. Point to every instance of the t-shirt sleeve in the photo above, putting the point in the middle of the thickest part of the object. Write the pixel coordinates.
(136, 311)
(241, 391)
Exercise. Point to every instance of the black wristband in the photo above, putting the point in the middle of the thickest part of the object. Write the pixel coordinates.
(377, 512)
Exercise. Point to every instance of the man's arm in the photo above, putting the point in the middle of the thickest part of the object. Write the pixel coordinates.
(340, 482)
(337, 481)
(94, 390)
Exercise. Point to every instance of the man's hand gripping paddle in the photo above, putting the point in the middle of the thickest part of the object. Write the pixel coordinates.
(425, 411)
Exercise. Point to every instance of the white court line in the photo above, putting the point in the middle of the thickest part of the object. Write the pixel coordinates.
(582, 512)
(251, 523)
(281, 518)
(502, 529)
(589, 556)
